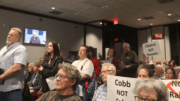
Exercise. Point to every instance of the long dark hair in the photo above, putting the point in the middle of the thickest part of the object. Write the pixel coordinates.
(56, 51)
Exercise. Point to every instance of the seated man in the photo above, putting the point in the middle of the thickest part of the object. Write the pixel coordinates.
(150, 90)
(158, 62)
(35, 39)
(172, 64)
(159, 72)
(68, 77)
(101, 93)
(70, 57)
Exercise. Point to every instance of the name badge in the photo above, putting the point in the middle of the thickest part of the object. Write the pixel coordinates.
(128, 58)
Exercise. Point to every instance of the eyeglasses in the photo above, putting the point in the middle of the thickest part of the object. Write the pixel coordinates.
(137, 98)
(105, 71)
(61, 76)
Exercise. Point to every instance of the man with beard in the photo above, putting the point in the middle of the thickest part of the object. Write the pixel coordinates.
(13, 59)
(35, 39)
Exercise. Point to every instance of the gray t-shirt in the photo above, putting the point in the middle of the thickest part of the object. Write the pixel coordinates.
(54, 96)
(129, 58)
(14, 54)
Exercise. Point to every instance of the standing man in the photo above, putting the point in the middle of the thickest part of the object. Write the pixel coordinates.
(130, 59)
(13, 59)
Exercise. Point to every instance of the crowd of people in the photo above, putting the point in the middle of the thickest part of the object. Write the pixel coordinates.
(84, 79)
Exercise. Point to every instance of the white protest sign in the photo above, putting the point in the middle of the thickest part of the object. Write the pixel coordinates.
(121, 88)
(151, 48)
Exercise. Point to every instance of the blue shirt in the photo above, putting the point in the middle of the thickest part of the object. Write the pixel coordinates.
(101, 93)
(14, 54)
(71, 58)
(37, 83)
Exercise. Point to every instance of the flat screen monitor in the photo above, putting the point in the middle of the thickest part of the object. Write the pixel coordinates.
(34, 36)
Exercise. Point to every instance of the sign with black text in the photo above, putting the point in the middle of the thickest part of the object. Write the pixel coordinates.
(151, 48)
(121, 88)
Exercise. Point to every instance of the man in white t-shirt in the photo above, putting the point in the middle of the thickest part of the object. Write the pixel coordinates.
(86, 68)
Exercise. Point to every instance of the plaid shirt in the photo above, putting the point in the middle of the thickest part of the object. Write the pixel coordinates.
(101, 93)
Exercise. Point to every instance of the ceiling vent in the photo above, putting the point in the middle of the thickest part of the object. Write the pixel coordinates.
(164, 1)
(55, 12)
(148, 18)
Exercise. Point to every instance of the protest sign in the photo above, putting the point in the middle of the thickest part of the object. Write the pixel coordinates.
(121, 88)
(151, 48)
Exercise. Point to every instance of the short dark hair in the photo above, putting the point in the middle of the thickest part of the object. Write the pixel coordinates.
(91, 49)
(174, 62)
(148, 68)
(85, 47)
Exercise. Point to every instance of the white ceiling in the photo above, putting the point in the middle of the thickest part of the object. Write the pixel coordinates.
(127, 11)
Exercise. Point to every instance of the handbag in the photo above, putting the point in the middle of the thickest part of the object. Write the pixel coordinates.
(1, 72)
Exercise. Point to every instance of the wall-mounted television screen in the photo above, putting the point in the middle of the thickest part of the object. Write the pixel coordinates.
(34, 36)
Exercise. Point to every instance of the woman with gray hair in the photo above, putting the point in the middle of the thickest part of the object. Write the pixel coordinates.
(68, 77)
(150, 90)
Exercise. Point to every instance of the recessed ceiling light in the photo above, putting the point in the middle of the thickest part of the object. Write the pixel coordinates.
(101, 23)
(178, 20)
(52, 7)
(169, 14)
(139, 19)
(151, 23)
(76, 13)
(102, 7)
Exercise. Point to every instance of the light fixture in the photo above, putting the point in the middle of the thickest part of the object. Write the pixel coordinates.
(151, 23)
(76, 13)
(178, 20)
(105, 6)
(102, 7)
(169, 14)
(53, 8)
(101, 23)
(139, 19)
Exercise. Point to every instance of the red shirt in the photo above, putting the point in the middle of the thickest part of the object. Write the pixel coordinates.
(96, 64)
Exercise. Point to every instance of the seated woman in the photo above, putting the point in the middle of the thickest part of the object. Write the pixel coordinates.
(30, 72)
(150, 90)
(36, 82)
(170, 73)
(144, 72)
(116, 62)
